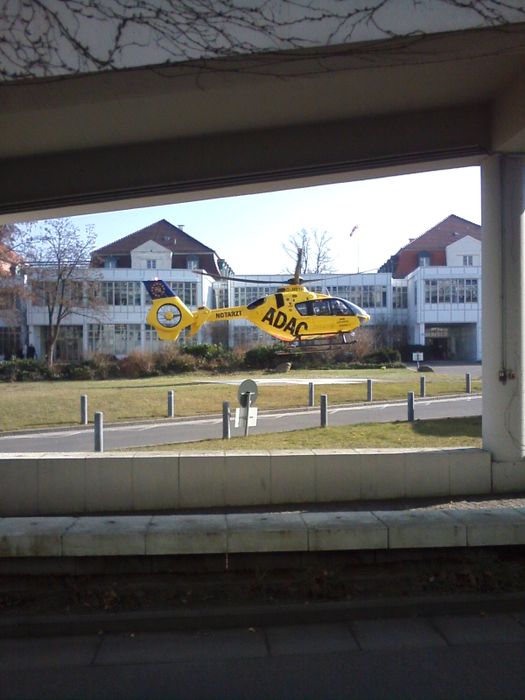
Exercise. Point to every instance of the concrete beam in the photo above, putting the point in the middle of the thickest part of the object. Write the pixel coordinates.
(194, 167)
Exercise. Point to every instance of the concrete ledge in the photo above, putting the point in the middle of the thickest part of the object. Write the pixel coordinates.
(140, 535)
(508, 476)
(51, 484)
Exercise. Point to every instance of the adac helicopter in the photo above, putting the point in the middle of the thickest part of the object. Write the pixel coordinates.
(293, 314)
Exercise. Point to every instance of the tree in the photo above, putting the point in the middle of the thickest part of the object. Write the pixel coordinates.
(56, 258)
(65, 37)
(315, 247)
(12, 288)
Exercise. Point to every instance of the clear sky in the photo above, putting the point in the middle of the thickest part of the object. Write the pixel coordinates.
(249, 230)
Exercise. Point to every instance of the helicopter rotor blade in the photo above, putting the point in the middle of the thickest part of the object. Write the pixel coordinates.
(242, 279)
(294, 280)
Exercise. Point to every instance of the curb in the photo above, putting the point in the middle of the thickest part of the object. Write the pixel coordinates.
(274, 615)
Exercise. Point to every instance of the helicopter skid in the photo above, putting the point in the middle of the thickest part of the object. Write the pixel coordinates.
(306, 345)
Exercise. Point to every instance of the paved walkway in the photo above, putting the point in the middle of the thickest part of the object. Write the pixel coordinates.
(474, 656)
(171, 431)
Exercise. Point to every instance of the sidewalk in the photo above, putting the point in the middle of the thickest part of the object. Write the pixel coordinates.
(255, 566)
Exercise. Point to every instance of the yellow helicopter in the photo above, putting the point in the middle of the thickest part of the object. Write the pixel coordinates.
(292, 314)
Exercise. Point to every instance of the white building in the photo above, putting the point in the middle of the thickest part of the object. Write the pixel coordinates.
(430, 292)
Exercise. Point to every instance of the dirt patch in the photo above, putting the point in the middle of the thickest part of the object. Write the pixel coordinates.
(252, 581)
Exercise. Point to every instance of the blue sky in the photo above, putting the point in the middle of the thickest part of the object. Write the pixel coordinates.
(249, 231)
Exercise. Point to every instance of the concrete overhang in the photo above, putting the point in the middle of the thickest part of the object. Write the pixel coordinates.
(131, 138)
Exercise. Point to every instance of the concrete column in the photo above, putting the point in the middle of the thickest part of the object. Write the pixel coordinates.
(503, 275)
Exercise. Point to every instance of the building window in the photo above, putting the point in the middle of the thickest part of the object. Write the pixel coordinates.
(110, 263)
(424, 260)
(367, 296)
(245, 295)
(115, 339)
(51, 293)
(192, 262)
(69, 344)
(187, 291)
(10, 343)
(468, 260)
(399, 298)
(151, 264)
(121, 293)
(451, 291)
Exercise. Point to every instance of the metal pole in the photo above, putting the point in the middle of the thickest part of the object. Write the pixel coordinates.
(369, 390)
(422, 386)
(84, 410)
(410, 405)
(324, 410)
(248, 400)
(226, 428)
(99, 431)
(468, 383)
(311, 394)
(171, 404)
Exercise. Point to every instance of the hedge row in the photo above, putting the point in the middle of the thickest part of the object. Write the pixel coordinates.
(182, 359)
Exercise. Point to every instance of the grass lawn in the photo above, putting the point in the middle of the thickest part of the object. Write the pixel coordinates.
(445, 432)
(41, 404)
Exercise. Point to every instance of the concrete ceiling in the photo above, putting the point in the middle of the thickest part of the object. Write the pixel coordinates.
(135, 137)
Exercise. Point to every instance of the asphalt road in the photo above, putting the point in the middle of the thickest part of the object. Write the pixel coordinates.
(439, 657)
(189, 430)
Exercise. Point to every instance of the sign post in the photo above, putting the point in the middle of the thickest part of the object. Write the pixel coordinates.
(417, 357)
(246, 415)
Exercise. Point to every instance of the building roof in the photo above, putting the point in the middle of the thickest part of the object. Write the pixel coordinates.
(443, 234)
(168, 235)
(177, 241)
(434, 241)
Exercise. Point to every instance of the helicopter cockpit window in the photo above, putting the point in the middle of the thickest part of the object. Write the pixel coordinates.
(256, 303)
(341, 307)
(302, 308)
(321, 307)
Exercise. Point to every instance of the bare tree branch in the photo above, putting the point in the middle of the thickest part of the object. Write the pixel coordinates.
(46, 38)
(315, 247)
(56, 257)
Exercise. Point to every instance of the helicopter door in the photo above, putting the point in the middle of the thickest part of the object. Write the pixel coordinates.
(322, 317)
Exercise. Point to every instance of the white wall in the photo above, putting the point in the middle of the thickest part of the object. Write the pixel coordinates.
(150, 250)
(464, 246)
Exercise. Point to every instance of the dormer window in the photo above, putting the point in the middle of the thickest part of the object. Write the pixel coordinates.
(151, 264)
(424, 260)
(110, 263)
(192, 262)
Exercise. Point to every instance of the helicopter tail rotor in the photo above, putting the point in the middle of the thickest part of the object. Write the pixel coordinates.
(169, 315)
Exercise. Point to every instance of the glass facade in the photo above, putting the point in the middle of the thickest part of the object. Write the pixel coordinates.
(69, 344)
(242, 296)
(121, 293)
(10, 342)
(368, 296)
(187, 291)
(399, 297)
(451, 291)
(51, 292)
(114, 339)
